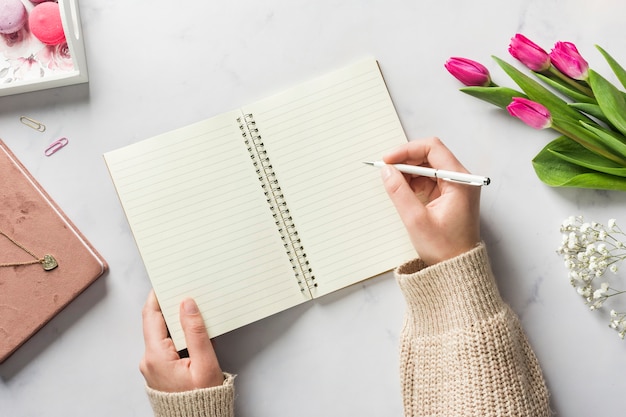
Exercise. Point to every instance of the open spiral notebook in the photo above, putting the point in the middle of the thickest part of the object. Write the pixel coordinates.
(262, 208)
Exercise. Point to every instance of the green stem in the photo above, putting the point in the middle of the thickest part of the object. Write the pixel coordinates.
(593, 148)
(615, 293)
(585, 90)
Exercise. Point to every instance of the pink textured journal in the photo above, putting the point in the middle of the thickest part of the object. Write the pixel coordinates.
(29, 295)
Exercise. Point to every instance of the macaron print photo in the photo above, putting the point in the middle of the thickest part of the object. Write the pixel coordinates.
(45, 23)
(13, 16)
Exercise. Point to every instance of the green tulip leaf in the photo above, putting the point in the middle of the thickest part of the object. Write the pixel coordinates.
(592, 161)
(582, 134)
(535, 91)
(499, 96)
(552, 169)
(610, 100)
(612, 141)
(615, 66)
(592, 110)
(566, 89)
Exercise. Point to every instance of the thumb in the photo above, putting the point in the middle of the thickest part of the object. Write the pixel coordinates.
(203, 364)
(196, 335)
(402, 196)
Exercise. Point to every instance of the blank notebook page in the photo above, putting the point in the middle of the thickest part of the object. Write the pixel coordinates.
(317, 135)
(203, 226)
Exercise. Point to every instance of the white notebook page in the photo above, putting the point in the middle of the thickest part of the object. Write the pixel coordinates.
(203, 226)
(317, 135)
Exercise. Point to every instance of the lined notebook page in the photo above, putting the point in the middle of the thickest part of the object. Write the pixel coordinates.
(203, 226)
(317, 136)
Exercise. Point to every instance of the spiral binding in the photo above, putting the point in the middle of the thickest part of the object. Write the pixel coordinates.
(278, 204)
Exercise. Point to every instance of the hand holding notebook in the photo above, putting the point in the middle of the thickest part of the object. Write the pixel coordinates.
(262, 208)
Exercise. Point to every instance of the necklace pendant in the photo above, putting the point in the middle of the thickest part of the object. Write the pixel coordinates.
(49, 263)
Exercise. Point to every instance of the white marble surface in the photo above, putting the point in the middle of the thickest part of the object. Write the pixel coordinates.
(158, 65)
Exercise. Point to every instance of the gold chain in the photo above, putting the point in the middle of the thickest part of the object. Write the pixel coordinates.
(48, 262)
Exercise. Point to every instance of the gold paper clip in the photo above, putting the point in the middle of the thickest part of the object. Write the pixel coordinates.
(55, 146)
(32, 123)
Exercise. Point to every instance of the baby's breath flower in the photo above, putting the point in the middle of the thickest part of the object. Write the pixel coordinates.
(618, 323)
(589, 249)
(602, 290)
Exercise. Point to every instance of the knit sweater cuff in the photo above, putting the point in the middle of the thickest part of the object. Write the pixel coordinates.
(450, 295)
(205, 402)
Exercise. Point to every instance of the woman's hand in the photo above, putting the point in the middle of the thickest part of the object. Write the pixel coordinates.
(162, 367)
(441, 217)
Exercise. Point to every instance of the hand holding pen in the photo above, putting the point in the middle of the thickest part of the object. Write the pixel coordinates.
(453, 176)
(441, 217)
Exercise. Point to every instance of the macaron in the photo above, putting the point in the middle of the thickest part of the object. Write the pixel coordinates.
(45, 23)
(38, 1)
(13, 16)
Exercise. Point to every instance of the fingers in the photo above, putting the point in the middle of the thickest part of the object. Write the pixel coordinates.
(199, 344)
(161, 365)
(196, 334)
(441, 217)
(405, 199)
(159, 348)
(154, 327)
(430, 152)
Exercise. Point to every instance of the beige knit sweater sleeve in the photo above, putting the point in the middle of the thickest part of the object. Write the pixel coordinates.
(462, 350)
(207, 402)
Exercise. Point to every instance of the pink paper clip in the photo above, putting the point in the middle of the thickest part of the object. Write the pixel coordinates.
(55, 146)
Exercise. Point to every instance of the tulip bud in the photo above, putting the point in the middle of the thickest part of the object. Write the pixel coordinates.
(470, 73)
(530, 112)
(529, 53)
(566, 59)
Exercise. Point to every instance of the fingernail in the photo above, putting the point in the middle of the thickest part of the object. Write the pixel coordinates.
(385, 172)
(190, 306)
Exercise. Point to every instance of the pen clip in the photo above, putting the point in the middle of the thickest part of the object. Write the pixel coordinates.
(461, 181)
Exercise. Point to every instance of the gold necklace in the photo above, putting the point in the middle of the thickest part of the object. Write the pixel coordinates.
(48, 262)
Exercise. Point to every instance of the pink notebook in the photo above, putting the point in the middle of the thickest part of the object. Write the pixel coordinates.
(29, 295)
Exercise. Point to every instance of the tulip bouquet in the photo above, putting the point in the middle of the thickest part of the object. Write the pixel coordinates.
(567, 96)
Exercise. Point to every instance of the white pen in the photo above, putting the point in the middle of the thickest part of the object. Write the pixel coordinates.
(452, 176)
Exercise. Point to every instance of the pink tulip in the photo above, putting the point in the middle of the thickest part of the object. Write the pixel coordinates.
(530, 112)
(529, 53)
(566, 59)
(470, 73)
